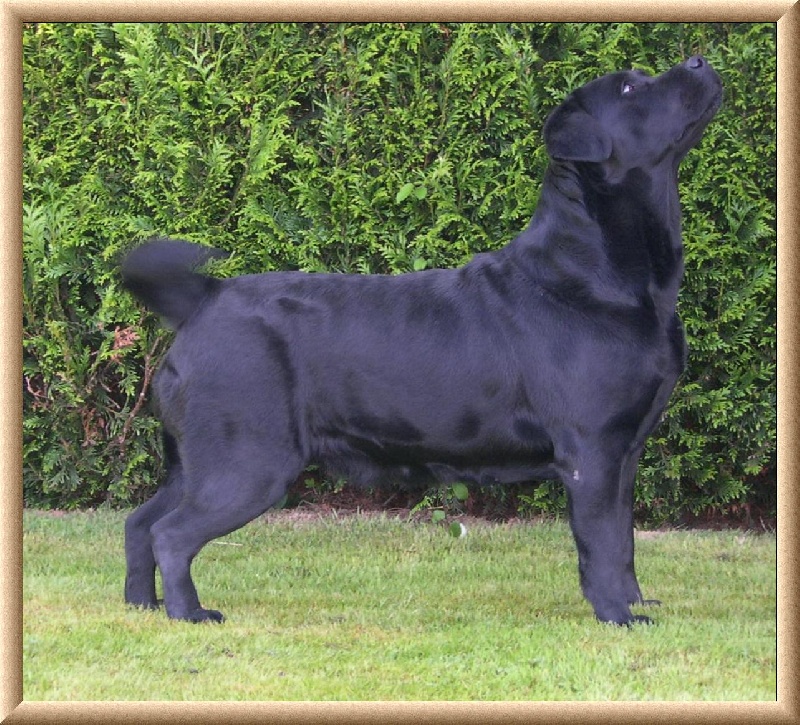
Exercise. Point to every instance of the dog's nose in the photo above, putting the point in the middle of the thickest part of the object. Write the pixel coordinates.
(695, 62)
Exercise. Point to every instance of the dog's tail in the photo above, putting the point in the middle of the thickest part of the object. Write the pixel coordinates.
(161, 273)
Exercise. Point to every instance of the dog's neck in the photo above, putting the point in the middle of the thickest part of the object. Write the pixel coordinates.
(633, 255)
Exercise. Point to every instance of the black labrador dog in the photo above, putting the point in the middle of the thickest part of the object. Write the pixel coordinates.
(551, 358)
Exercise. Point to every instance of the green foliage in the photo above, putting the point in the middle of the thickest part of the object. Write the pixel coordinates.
(717, 443)
(441, 501)
(377, 148)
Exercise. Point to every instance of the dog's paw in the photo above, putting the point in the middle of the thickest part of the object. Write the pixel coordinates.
(639, 619)
(205, 615)
(633, 620)
(622, 617)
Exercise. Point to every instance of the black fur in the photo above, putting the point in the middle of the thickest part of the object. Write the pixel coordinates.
(551, 358)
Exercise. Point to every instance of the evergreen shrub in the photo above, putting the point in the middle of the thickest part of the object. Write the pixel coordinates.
(377, 148)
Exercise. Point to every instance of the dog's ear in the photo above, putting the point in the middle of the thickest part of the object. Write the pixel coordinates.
(571, 134)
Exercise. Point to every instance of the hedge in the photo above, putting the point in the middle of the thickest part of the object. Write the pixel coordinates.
(364, 148)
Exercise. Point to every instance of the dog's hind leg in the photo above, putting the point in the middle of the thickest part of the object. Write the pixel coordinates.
(223, 499)
(140, 585)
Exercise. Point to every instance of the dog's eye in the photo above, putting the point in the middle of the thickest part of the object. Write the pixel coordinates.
(627, 88)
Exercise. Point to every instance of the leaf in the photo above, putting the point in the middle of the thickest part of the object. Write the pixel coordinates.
(405, 192)
(460, 491)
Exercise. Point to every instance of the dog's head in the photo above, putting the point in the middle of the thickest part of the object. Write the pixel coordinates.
(629, 119)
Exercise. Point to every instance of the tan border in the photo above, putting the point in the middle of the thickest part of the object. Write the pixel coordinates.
(788, 318)
(357, 10)
(13, 13)
(10, 363)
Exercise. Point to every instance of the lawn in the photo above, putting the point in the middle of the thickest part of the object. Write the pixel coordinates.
(380, 608)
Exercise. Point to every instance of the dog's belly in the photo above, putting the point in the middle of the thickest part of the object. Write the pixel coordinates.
(424, 446)
(369, 461)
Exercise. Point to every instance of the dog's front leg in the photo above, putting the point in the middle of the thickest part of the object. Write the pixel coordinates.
(600, 513)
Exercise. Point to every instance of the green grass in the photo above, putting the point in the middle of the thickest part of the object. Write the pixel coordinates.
(375, 608)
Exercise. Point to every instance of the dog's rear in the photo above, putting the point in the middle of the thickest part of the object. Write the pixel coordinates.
(162, 274)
